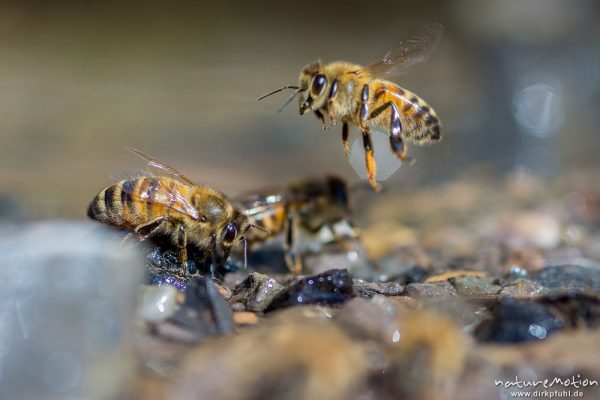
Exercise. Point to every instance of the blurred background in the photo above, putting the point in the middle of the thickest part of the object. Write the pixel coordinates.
(516, 84)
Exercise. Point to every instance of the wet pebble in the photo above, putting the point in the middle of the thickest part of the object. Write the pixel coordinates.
(568, 278)
(369, 289)
(518, 321)
(256, 292)
(204, 313)
(330, 287)
(430, 290)
(157, 303)
(476, 286)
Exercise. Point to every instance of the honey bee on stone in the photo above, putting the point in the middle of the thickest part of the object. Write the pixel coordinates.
(174, 206)
(304, 207)
(360, 96)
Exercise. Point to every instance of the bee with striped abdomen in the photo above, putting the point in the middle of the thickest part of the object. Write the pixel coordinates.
(175, 206)
(307, 207)
(359, 96)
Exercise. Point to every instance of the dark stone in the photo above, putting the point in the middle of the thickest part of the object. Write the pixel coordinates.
(330, 287)
(519, 321)
(204, 311)
(566, 278)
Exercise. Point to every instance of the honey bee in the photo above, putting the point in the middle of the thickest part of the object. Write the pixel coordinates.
(360, 97)
(174, 206)
(306, 206)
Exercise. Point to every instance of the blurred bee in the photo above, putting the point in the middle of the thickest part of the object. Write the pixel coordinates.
(358, 96)
(174, 206)
(306, 206)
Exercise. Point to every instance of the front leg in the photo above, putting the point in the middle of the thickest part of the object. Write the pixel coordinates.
(293, 260)
(345, 131)
(147, 229)
(320, 115)
(182, 248)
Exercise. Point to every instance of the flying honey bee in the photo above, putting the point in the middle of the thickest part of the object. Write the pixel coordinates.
(359, 96)
(174, 206)
(307, 206)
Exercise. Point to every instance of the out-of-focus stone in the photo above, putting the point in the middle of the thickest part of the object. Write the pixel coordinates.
(157, 303)
(244, 318)
(67, 299)
(521, 289)
(290, 356)
(566, 278)
(256, 292)
(518, 321)
(428, 355)
(476, 286)
(541, 229)
(369, 289)
(331, 287)
(204, 313)
(430, 290)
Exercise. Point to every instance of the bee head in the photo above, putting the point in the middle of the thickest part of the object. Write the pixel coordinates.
(313, 87)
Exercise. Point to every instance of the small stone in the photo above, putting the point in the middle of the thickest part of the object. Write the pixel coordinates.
(256, 292)
(157, 303)
(330, 287)
(521, 289)
(430, 290)
(204, 313)
(519, 321)
(369, 289)
(568, 278)
(245, 318)
(476, 286)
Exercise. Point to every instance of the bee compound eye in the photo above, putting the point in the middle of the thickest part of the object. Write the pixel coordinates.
(318, 84)
(230, 233)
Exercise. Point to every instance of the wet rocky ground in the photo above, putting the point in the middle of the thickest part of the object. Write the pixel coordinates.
(471, 289)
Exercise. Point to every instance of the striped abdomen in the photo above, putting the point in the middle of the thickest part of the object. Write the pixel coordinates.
(133, 202)
(420, 123)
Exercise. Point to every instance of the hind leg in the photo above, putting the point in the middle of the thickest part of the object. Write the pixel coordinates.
(395, 129)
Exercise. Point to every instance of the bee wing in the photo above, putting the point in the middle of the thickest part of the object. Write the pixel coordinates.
(259, 204)
(163, 192)
(130, 174)
(153, 162)
(408, 52)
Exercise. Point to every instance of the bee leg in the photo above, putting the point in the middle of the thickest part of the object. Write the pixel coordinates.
(396, 142)
(292, 258)
(126, 238)
(345, 131)
(332, 93)
(149, 228)
(182, 247)
(332, 121)
(370, 160)
(363, 113)
(320, 115)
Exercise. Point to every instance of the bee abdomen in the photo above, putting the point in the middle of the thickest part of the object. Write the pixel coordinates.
(115, 206)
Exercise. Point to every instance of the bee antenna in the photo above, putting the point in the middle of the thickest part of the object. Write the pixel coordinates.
(243, 238)
(289, 100)
(277, 91)
(259, 228)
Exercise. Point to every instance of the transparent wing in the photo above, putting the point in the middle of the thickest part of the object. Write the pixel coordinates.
(153, 162)
(408, 52)
(130, 174)
(164, 192)
(259, 204)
